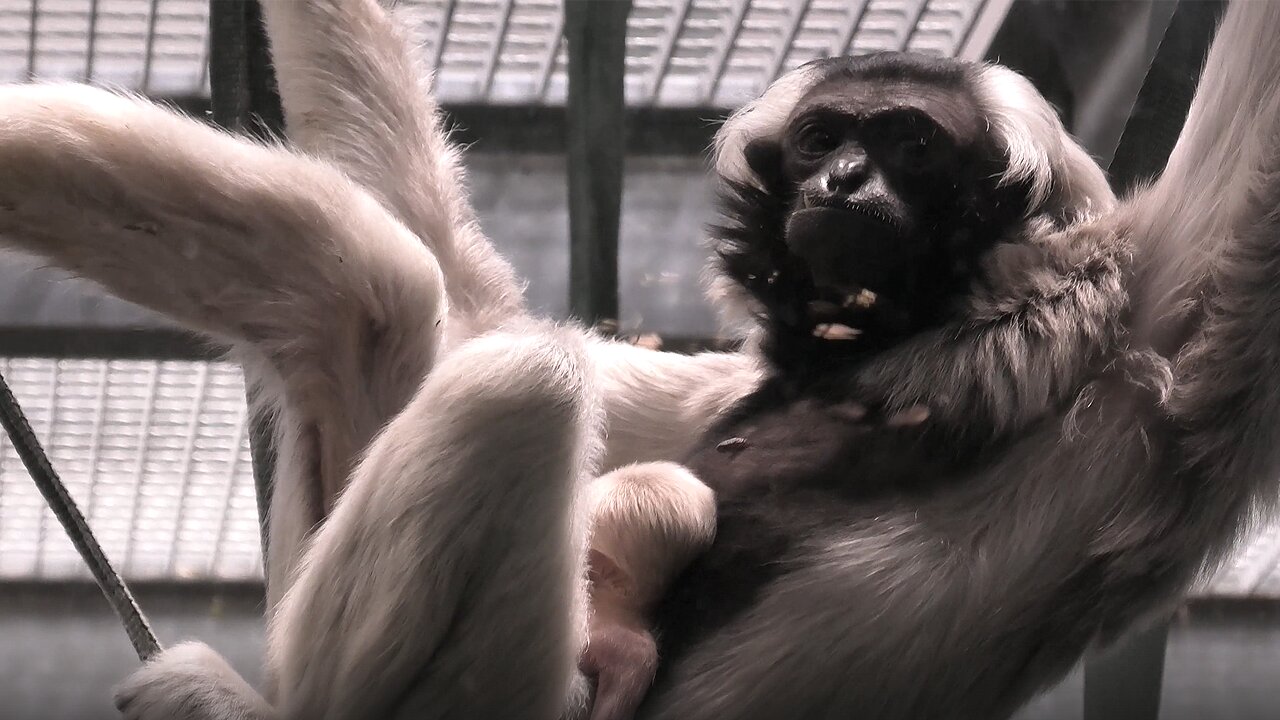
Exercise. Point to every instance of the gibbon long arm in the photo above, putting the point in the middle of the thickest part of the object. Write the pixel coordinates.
(167, 212)
(1210, 232)
(1222, 163)
(281, 256)
(355, 93)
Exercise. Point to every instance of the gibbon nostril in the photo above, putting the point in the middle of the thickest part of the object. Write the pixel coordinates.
(847, 174)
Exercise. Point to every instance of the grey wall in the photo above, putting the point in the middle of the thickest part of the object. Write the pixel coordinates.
(34, 295)
(61, 651)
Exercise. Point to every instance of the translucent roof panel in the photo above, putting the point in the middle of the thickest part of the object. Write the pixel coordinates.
(680, 53)
(157, 455)
(159, 47)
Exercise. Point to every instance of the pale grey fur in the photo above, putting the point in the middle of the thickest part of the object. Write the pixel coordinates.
(445, 579)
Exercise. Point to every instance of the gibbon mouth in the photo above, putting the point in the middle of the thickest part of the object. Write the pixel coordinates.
(849, 249)
(872, 212)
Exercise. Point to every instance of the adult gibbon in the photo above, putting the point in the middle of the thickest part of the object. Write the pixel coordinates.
(1097, 379)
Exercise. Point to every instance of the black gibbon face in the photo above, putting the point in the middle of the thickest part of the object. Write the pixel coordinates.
(875, 168)
(884, 179)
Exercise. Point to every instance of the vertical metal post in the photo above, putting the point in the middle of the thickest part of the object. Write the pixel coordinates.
(241, 79)
(596, 32)
(1125, 682)
(245, 99)
(1161, 106)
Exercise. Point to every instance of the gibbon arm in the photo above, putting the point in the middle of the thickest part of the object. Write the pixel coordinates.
(248, 243)
(355, 92)
(1215, 184)
(281, 256)
(1212, 294)
(658, 404)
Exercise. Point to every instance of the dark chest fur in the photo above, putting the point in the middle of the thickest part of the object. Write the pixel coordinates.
(800, 460)
(789, 462)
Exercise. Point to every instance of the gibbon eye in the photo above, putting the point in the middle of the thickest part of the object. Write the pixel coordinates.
(907, 141)
(815, 139)
(907, 138)
(913, 148)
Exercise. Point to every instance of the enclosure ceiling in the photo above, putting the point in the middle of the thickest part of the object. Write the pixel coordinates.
(707, 53)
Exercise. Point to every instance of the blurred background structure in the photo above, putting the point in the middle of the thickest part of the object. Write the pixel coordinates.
(149, 427)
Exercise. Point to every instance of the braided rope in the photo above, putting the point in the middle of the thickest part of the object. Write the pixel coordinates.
(72, 520)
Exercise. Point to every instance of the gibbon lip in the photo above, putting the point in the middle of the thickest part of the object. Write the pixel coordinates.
(838, 203)
(847, 250)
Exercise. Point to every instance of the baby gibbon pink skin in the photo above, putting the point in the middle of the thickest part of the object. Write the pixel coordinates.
(620, 654)
(648, 522)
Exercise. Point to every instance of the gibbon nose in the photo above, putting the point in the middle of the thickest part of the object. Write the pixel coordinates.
(846, 173)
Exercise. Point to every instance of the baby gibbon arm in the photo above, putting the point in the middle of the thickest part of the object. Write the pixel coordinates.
(648, 522)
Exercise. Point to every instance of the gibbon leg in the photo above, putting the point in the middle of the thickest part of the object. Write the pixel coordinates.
(355, 92)
(447, 583)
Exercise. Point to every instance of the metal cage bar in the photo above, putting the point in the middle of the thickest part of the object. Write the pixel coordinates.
(244, 98)
(596, 33)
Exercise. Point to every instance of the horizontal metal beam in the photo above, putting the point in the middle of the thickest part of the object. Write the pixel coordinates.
(175, 344)
(105, 343)
(541, 129)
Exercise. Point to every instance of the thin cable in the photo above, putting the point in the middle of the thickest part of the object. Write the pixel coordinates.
(64, 508)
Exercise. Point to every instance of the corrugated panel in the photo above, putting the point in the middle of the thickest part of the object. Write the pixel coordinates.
(715, 53)
(155, 453)
(154, 46)
(722, 53)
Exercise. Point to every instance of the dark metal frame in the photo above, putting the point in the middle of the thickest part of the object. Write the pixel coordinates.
(245, 99)
(139, 343)
(597, 36)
